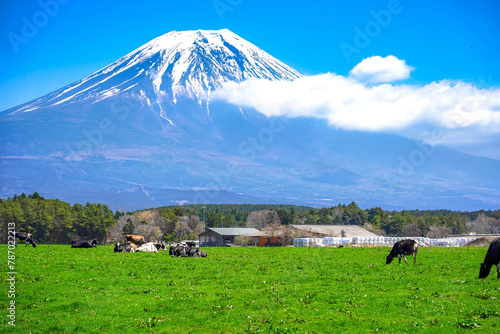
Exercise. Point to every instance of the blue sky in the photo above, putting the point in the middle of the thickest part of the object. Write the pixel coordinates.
(454, 40)
(441, 39)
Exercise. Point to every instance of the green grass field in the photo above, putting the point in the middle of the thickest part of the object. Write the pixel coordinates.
(250, 290)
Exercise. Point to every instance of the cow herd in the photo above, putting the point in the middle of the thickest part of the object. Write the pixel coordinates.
(137, 243)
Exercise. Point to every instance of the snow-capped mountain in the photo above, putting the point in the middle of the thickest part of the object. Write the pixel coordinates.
(142, 132)
(178, 64)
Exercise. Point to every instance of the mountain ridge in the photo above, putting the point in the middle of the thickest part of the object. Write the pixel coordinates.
(187, 64)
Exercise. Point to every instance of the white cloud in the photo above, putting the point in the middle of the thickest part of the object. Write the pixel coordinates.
(455, 109)
(377, 70)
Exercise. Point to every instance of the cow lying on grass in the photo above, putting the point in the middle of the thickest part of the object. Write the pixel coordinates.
(84, 244)
(150, 247)
(492, 258)
(26, 237)
(183, 250)
(403, 248)
(125, 248)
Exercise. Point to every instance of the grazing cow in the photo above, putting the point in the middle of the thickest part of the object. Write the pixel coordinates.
(403, 248)
(150, 247)
(134, 246)
(84, 244)
(26, 237)
(136, 239)
(492, 258)
(125, 248)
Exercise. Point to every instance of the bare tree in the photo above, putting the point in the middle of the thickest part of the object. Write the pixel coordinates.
(123, 226)
(274, 227)
(411, 230)
(182, 229)
(262, 218)
(191, 221)
(436, 231)
(290, 233)
(116, 231)
(484, 225)
(148, 223)
(150, 232)
(199, 229)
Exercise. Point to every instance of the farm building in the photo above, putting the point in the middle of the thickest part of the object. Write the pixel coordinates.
(319, 231)
(286, 234)
(218, 236)
(268, 238)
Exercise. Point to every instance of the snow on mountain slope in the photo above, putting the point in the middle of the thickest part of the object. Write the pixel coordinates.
(177, 64)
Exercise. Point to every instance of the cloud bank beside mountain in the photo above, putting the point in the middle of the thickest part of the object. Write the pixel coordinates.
(368, 100)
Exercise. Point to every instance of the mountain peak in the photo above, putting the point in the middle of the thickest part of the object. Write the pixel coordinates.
(187, 64)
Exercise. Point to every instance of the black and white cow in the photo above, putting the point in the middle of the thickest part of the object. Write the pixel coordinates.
(150, 247)
(492, 258)
(403, 248)
(26, 237)
(192, 251)
(84, 244)
(183, 250)
(124, 248)
(178, 250)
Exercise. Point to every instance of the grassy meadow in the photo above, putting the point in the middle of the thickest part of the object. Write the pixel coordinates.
(250, 290)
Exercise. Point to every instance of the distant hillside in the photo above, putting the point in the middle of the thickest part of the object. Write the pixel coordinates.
(197, 208)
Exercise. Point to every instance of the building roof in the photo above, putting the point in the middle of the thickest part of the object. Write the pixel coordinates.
(336, 230)
(232, 230)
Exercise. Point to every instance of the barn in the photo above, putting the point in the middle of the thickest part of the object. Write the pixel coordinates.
(268, 238)
(220, 236)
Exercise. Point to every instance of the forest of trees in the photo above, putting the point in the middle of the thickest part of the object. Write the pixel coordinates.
(433, 223)
(55, 221)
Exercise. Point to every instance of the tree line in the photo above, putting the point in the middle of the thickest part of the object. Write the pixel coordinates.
(55, 221)
(431, 223)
